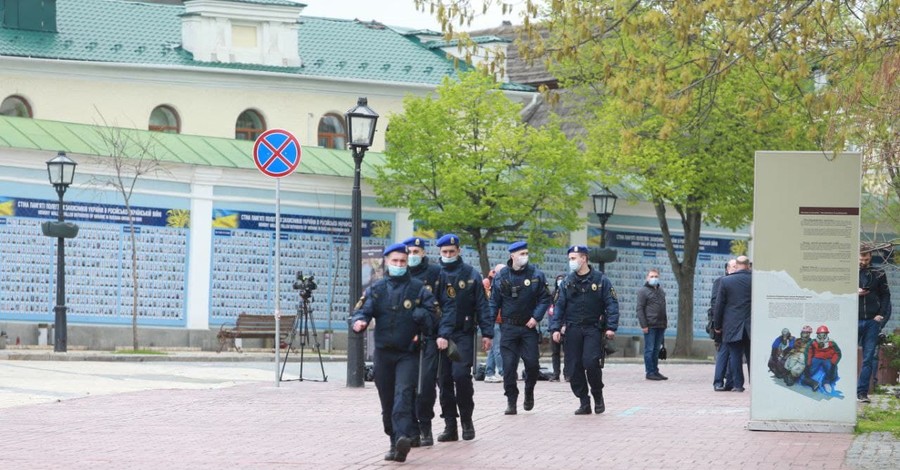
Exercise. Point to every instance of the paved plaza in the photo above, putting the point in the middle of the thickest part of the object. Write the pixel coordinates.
(72, 414)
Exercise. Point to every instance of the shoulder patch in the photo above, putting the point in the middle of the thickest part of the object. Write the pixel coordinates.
(612, 292)
(359, 304)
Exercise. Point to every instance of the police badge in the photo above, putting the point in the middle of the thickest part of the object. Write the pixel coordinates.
(407, 304)
(593, 287)
(462, 284)
(527, 282)
(359, 304)
(451, 292)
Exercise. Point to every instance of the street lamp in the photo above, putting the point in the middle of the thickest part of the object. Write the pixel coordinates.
(604, 207)
(61, 170)
(361, 130)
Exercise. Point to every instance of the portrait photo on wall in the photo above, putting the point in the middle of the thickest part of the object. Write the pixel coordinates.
(806, 364)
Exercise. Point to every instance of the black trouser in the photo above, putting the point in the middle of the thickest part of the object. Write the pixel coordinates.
(582, 349)
(425, 399)
(556, 350)
(456, 380)
(518, 342)
(395, 379)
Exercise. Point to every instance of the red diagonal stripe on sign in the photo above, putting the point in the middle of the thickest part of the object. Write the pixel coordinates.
(276, 153)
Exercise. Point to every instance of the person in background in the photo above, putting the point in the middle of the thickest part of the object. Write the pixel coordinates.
(722, 381)
(556, 347)
(493, 368)
(651, 314)
(874, 313)
(732, 318)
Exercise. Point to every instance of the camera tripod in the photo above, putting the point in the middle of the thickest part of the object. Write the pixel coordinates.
(303, 323)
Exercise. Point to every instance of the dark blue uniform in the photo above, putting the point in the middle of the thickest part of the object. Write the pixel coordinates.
(403, 308)
(429, 275)
(462, 297)
(519, 296)
(588, 307)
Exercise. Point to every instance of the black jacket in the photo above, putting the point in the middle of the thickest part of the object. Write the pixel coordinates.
(651, 307)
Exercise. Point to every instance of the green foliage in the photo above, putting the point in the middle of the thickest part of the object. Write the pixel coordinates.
(463, 161)
(881, 416)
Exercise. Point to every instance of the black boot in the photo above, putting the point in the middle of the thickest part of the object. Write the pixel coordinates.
(585, 408)
(468, 429)
(450, 432)
(599, 406)
(391, 454)
(510, 406)
(528, 404)
(426, 439)
(403, 444)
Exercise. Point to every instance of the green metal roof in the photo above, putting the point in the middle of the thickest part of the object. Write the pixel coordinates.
(52, 136)
(120, 31)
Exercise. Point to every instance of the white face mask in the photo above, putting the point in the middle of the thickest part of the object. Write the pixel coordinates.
(520, 261)
(574, 265)
(414, 260)
(446, 260)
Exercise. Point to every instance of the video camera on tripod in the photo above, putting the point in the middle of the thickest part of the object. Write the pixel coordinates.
(305, 285)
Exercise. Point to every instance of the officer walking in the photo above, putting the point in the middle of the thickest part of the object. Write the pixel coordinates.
(462, 294)
(403, 308)
(588, 308)
(421, 270)
(521, 296)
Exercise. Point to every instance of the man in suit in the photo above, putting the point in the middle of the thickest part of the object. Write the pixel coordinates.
(732, 318)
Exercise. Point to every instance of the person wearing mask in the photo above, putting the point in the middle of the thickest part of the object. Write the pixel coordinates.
(403, 308)
(461, 294)
(493, 368)
(874, 313)
(520, 296)
(651, 314)
(556, 347)
(421, 270)
(588, 308)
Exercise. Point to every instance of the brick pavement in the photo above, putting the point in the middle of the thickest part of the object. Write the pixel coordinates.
(676, 424)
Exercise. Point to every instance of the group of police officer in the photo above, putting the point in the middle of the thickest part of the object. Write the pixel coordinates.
(427, 320)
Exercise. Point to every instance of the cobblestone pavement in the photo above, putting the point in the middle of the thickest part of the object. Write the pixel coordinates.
(234, 416)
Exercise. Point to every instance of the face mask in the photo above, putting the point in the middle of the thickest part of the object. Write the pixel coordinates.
(653, 281)
(396, 271)
(449, 260)
(559, 283)
(520, 262)
(414, 260)
(574, 265)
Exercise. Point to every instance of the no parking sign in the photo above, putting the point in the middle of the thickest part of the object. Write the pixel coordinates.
(277, 153)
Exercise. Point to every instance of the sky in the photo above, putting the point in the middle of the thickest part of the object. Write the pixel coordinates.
(397, 13)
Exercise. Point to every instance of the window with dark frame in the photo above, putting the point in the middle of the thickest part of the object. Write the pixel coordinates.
(249, 125)
(164, 119)
(332, 133)
(15, 106)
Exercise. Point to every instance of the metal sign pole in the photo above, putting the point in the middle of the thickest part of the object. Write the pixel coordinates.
(277, 280)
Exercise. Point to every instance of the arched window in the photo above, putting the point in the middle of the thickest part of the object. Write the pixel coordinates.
(332, 133)
(164, 119)
(16, 106)
(249, 125)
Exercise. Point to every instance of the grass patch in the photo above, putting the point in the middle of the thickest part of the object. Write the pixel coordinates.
(141, 351)
(883, 415)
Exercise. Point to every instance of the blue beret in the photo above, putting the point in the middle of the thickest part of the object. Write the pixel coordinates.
(516, 246)
(577, 249)
(449, 239)
(399, 247)
(414, 241)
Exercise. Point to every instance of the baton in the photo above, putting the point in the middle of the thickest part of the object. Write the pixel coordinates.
(421, 359)
(602, 349)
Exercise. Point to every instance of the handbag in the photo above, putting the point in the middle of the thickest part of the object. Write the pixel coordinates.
(663, 354)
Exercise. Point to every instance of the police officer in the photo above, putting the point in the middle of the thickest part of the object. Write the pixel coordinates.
(521, 296)
(403, 308)
(462, 294)
(588, 308)
(421, 270)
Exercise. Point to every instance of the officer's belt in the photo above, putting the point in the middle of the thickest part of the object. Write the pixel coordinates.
(516, 321)
(586, 322)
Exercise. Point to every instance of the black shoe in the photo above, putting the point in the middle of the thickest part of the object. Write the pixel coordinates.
(661, 377)
(415, 442)
(584, 409)
(655, 376)
(720, 388)
(391, 454)
(599, 405)
(510, 408)
(554, 378)
(403, 444)
(468, 430)
(738, 389)
(528, 404)
(450, 433)
(863, 398)
(426, 438)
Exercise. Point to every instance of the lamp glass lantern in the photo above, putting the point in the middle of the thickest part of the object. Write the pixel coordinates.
(361, 121)
(604, 204)
(61, 170)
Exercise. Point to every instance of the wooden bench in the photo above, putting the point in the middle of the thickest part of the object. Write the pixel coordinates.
(254, 326)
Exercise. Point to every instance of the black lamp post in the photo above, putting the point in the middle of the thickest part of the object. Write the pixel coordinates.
(604, 207)
(61, 170)
(361, 130)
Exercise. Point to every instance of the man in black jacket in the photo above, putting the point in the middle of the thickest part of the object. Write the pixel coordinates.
(732, 318)
(651, 314)
(874, 313)
(403, 308)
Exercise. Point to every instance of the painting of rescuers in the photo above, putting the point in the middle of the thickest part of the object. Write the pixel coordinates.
(806, 363)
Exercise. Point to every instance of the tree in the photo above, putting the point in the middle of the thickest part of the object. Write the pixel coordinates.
(130, 156)
(463, 161)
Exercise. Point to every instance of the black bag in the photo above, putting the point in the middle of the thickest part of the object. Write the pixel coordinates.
(479, 372)
(710, 329)
(663, 354)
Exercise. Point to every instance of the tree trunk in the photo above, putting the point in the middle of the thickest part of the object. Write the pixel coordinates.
(684, 271)
(484, 262)
(134, 279)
